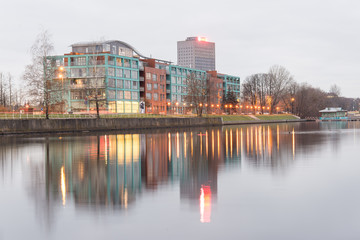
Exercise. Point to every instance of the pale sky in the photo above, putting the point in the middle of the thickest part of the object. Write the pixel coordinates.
(317, 41)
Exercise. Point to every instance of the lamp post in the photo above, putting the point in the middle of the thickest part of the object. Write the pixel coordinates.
(292, 105)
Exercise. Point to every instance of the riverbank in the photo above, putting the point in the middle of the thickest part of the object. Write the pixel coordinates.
(30, 126)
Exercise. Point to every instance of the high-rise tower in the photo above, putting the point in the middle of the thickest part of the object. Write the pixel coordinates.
(196, 52)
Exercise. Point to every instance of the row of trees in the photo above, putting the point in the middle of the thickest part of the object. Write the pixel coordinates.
(12, 95)
(277, 87)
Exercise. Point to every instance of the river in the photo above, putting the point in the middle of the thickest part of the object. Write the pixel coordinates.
(271, 181)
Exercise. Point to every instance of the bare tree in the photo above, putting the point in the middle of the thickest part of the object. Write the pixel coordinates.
(250, 90)
(3, 87)
(278, 82)
(335, 90)
(197, 91)
(254, 90)
(96, 85)
(309, 101)
(40, 74)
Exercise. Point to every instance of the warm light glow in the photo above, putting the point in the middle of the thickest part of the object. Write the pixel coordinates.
(263, 107)
(292, 99)
(60, 75)
(230, 105)
(241, 106)
(205, 204)
(177, 103)
(202, 39)
(218, 105)
(212, 105)
(206, 105)
(61, 68)
(184, 104)
(63, 185)
(268, 108)
(226, 106)
(168, 103)
(200, 104)
(247, 106)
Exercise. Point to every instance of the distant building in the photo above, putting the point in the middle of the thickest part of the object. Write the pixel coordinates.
(333, 114)
(196, 52)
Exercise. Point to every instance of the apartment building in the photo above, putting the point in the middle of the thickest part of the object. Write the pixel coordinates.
(114, 75)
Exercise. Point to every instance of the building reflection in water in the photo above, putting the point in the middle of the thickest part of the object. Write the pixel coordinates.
(111, 171)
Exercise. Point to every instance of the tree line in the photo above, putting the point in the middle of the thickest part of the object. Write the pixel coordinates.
(277, 89)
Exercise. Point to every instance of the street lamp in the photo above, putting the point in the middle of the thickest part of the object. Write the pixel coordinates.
(292, 105)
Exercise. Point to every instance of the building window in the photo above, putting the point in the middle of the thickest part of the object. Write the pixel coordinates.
(148, 86)
(78, 72)
(119, 83)
(127, 84)
(134, 64)
(111, 71)
(127, 73)
(111, 82)
(173, 89)
(148, 96)
(134, 74)
(135, 85)
(120, 95)
(173, 79)
(127, 95)
(111, 94)
(155, 86)
(148, 76)
(134, 95)
(119, 72)
(162, 78)
(118, 62)
(156, 97)
(126, 63)
(154, 77)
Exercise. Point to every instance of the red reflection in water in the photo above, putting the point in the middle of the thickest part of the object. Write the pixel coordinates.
(205, 204)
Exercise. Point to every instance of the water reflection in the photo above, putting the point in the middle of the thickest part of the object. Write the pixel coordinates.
(112, 171)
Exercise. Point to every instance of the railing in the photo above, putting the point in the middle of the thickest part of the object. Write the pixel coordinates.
(141, 79)
(167, 81)
(142, 89)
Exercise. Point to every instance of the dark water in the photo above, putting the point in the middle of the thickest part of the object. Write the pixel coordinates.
(278, 181)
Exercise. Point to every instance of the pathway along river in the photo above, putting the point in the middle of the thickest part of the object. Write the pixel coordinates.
(272, 181)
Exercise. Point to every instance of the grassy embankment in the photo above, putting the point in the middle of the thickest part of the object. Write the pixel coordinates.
(276, 117)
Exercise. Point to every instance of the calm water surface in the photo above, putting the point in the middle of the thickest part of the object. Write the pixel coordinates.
(277, 181)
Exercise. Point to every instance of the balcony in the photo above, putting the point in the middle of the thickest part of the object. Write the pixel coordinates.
(167, 81)
(141, 79)
(142, 89)
(167, 90)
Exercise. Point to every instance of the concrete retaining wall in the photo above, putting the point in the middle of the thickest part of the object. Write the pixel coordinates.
(76, 125)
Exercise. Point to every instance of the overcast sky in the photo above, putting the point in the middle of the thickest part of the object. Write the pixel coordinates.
(317, 41)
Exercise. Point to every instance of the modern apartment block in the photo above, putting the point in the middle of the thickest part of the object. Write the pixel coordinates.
(114, 75)
(197, 53)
